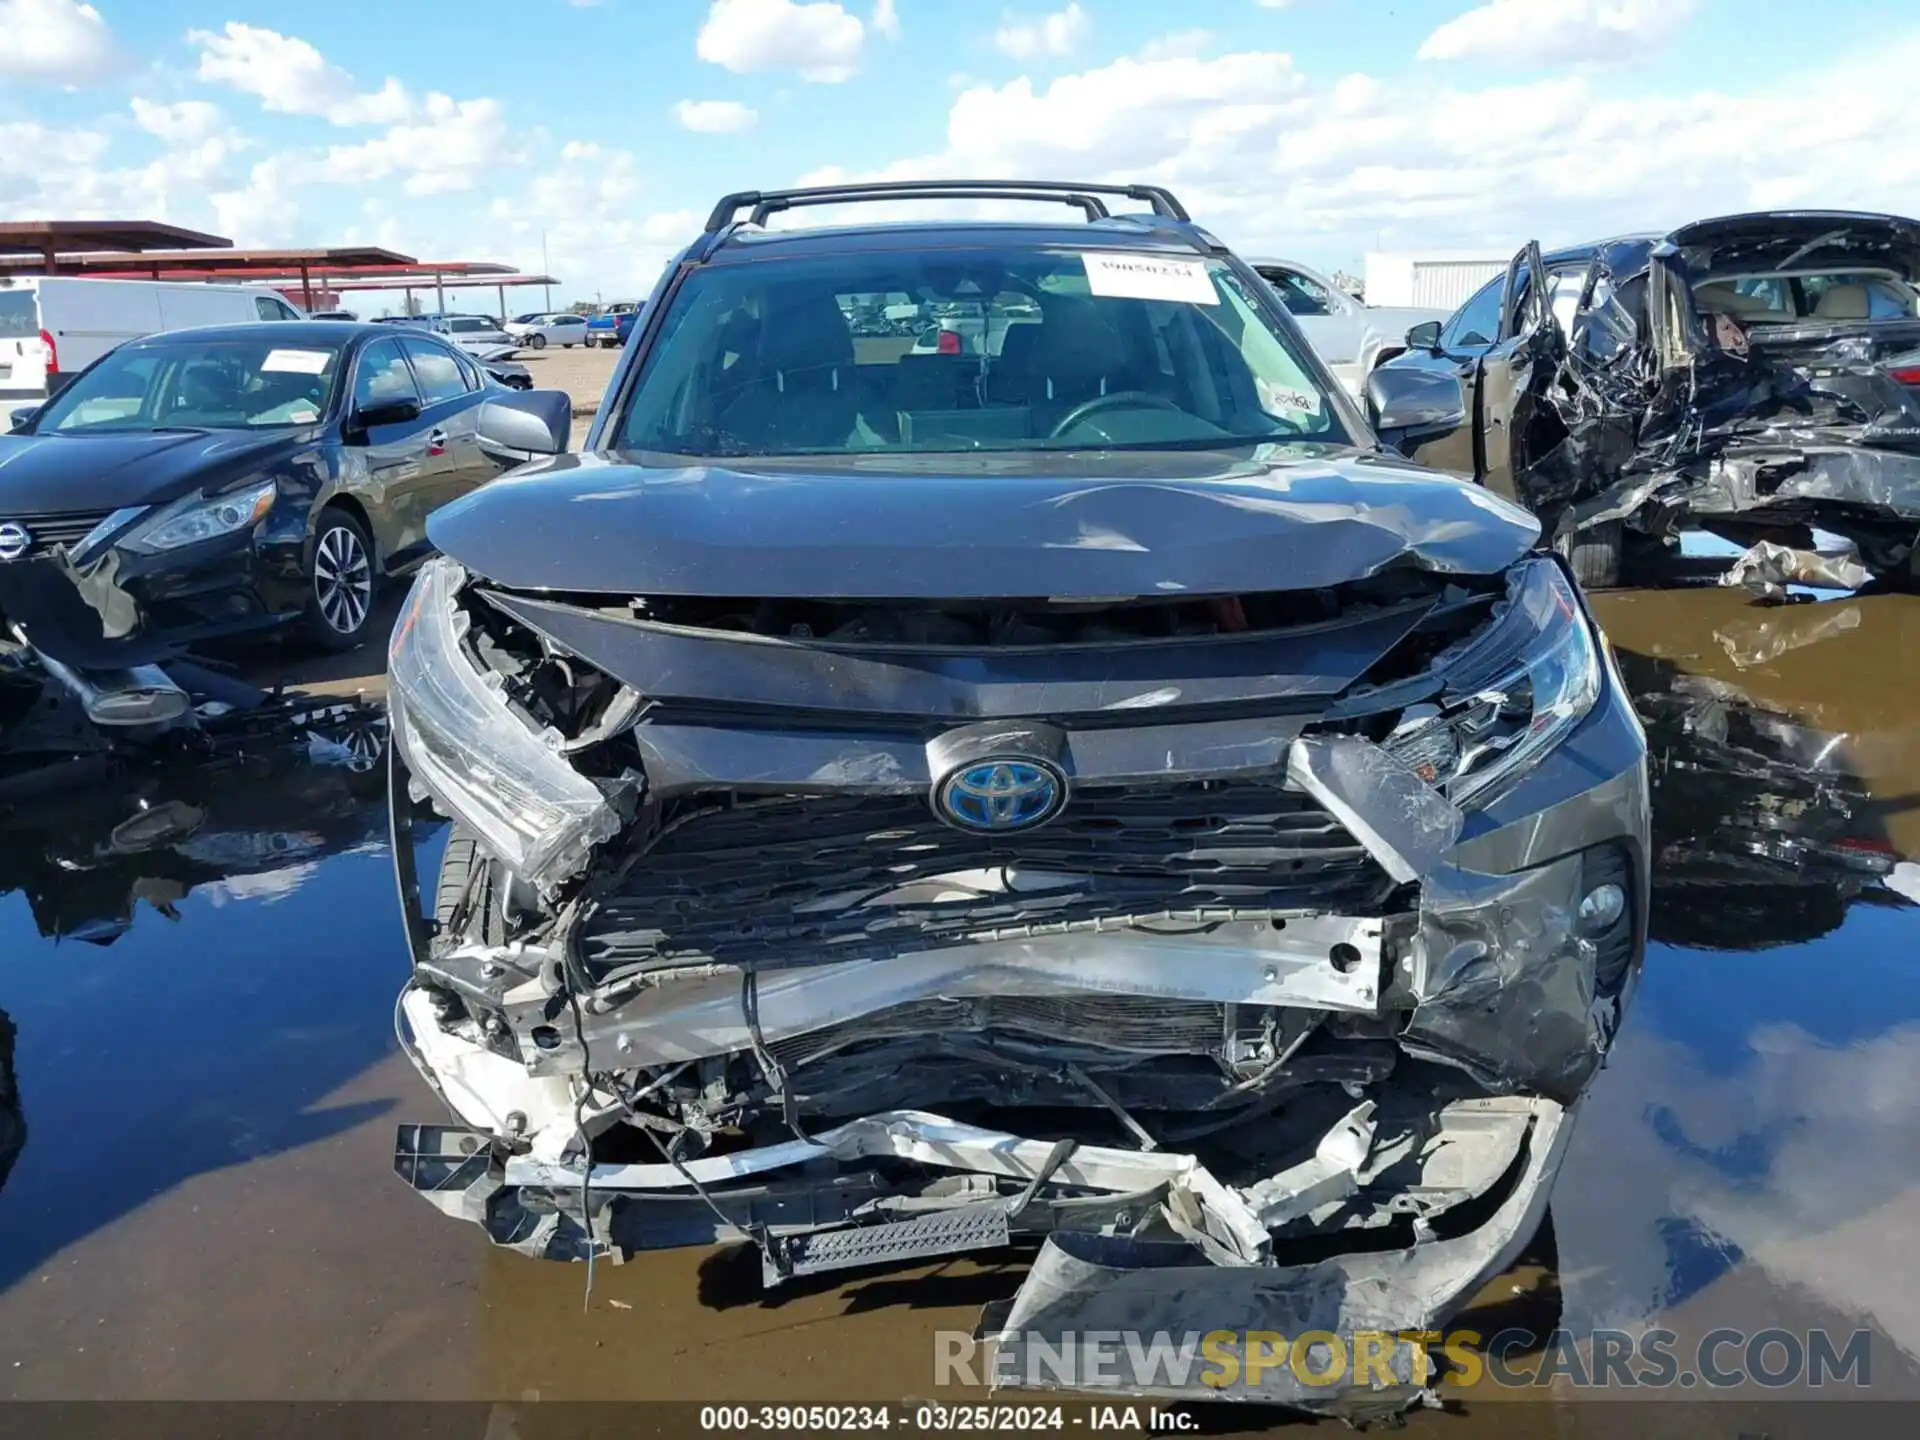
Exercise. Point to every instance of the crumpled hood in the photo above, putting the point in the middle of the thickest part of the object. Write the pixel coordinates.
(991, 526)
(67, 474)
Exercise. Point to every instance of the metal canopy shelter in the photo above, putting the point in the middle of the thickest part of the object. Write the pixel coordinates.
(500, 283)
(29, 244)
(215, 264)
(148, 250)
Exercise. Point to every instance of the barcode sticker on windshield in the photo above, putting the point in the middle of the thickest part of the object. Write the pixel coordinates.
(1149, 277)
(298, 362)
(1278, 399)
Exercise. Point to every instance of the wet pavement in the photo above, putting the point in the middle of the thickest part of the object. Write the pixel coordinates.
(199, 962)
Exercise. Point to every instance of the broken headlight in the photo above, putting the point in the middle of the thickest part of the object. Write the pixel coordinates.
(484, 764)
(1512, 693)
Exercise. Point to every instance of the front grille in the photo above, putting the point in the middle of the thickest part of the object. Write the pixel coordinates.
(796, 880)
(1125, 1023)
(62, 531)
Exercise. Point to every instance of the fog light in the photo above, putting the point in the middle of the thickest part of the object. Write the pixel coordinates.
(1601, 908)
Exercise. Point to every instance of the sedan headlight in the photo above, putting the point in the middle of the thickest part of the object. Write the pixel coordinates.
(487, 767)
(1513, 692)
(193, 518)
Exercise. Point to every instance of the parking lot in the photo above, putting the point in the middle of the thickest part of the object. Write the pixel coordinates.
(213, 1214)
(205, 941)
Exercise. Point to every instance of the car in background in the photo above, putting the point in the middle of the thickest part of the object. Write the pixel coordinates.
(623, 324)
(1350, 336)
(564, 329)
(1756, 376)
(477, 334)
(603, 328)
(346, 315)
(1083, 792)
(199, 484)
(53, 326)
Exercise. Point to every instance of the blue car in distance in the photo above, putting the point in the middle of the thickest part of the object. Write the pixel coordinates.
(611, 326)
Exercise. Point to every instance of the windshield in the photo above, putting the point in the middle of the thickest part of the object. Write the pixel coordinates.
(865, 353)
(239, 384)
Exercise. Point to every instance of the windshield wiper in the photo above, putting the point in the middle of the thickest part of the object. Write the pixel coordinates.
(1211, 442)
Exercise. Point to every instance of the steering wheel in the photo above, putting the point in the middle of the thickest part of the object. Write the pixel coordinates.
(1098, 403)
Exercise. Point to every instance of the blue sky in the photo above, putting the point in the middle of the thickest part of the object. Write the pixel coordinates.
(1314, 128)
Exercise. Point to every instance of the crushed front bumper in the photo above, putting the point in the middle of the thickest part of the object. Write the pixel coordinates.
(1323, 1003)
(1497, 986)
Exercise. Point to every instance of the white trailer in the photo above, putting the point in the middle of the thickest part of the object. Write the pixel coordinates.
(1432, 279)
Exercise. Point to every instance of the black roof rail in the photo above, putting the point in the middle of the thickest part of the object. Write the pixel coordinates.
(764, 203)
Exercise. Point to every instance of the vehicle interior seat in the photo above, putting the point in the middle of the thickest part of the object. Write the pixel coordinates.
(1718, 297)
(1844, 302)
(804, 354)
(1074, 359)
(207, 388)
(1010, 375)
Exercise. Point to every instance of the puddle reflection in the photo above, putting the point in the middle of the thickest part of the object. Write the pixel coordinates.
(197, 955)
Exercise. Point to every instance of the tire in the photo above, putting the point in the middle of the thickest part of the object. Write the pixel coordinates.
(457, 862)
(536, 341)
(340, 582)
(1594, 555)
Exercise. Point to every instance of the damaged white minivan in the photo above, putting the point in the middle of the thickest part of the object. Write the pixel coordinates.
(1075, 792)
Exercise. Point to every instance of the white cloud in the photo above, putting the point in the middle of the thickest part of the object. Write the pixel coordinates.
(59, 42)
(1557, 31)
(1330, 168)
(1180, 45)
(820, 40)
(448, 148)
(262, 210)
(715, 117)
(1060, 33)
(183, 121)
(292, 77)
(886, 19)
(1273, 4)
(588, 210)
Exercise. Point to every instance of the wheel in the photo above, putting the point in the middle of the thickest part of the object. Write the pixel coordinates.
(536, 341)
(459, 860)
(1594, 555)
(339, 582)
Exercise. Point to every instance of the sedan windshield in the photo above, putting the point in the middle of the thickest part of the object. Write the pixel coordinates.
(865, 353)
(202, 384)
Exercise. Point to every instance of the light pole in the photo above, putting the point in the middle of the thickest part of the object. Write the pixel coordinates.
(546, 268)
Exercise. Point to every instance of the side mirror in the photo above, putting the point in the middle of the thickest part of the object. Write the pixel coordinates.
(22, 417)
(1409, 406)
(389, 412)
(524, 426)
(1425, 336)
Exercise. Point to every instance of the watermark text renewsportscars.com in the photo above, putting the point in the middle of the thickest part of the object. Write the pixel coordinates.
(1233, 1359)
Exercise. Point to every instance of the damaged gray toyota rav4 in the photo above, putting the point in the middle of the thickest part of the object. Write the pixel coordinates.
(986, 749)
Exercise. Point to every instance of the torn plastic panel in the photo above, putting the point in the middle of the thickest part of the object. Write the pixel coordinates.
(1522, 979)
(1088, 1284)
(79, 615)
(1768, 569)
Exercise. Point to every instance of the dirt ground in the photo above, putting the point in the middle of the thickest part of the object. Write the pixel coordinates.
(581, 372)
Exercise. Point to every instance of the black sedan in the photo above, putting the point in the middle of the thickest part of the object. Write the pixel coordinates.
(203, 483)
